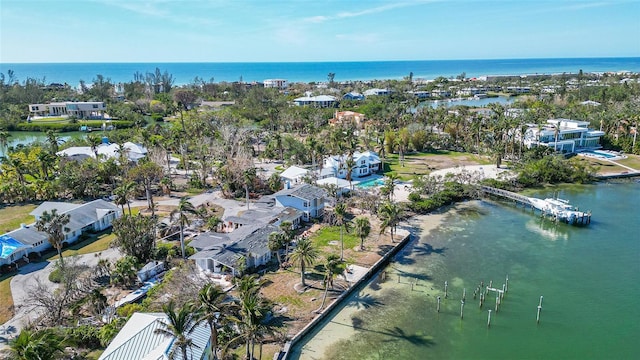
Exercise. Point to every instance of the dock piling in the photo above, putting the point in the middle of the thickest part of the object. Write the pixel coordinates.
(489, 320)
(438, 307)
(538, 316)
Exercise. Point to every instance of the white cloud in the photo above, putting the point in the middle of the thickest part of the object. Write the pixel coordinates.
(369, 38)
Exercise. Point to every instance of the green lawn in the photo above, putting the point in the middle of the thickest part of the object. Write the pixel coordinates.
(6, 300)
(12, 216)
(95, 243)
(332, 233)
(632, 161)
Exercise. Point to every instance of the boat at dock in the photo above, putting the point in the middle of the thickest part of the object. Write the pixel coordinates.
(556, 209)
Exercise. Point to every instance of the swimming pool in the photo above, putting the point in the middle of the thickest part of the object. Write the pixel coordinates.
(371, 183)
(598, 153)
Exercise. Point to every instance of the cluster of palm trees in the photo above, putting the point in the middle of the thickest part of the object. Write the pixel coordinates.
(245, 319)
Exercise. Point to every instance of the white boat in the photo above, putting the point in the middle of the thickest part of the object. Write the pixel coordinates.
(560, 209)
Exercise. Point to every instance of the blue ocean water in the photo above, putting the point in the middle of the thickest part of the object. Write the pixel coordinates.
(184, 73)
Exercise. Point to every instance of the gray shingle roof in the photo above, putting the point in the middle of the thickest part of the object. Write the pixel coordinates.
(80, 215)
(303, 191)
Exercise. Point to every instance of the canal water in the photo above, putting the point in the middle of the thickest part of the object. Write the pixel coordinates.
(29, 137)
(589, 278)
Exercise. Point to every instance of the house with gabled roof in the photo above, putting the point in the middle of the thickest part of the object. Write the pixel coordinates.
(305, 197)
(366, 163)
(139, 340)
(93, 216)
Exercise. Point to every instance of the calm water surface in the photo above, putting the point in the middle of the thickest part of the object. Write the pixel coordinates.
(589, 278)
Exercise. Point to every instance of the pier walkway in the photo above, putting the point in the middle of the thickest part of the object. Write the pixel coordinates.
(508, 195)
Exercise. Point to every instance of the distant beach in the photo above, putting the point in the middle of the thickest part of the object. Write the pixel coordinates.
(184, 73)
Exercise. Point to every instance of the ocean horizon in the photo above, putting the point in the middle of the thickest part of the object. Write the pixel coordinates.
(186, 72)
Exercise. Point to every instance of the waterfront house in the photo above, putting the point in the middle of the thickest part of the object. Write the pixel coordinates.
(93, 216)
(421, 94)
(138, 340)
(305, 197)
(221, 252)
(132, 151)
(81, 109)
(320, 101)
(366, 163)
(563, 135)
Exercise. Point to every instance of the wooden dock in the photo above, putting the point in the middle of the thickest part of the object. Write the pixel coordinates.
(581, 218)
(521, 199)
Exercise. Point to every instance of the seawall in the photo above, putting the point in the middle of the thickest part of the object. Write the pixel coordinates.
(285, 353)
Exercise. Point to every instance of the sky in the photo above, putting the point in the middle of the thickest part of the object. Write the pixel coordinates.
(305, 30)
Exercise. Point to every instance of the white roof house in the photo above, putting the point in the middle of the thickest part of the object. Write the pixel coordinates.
(321, 101)
(138, 340)
(563, 135)
(366, 163)
(376, 91)
(134, 152)
(293, 174)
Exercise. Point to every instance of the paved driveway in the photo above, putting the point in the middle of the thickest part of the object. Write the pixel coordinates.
(27, 278)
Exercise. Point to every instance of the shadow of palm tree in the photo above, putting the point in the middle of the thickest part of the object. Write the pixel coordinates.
(414, 339)
(365, 302)
(384, 249)
(428, 249)
(396, 334)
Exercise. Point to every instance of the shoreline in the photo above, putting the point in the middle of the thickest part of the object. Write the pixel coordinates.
(423, 225)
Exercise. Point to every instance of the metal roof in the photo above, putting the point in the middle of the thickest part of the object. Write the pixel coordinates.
(138, 340)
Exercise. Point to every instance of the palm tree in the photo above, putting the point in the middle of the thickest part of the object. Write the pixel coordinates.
(212, 310)
(275, 243)
(94, 142)
(304, 254)
(389, 214)
(179, 325)
(390, 184)
(30, 345)
(253, 309)
(248, 176)
(54, 225)
(288, 233)
(332, 266)
(362, 228)
(123, 193)
(341, 213)
(350, 165)
(180, 215)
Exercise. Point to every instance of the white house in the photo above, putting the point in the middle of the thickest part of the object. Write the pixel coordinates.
(132, 151)
(280, 84)
(96, 215)
(138, 340)
(376, 92)
(307, 198)
(293, 175)
(563, 135)
(320, 101)
(81, 110)
(366, 163)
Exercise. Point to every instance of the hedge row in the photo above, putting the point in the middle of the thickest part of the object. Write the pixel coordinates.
(59, 127)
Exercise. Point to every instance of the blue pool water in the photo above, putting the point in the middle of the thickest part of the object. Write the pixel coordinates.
(371, 183)
(598, 153)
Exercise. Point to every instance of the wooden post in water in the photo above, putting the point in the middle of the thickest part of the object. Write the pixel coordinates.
(497, 302)
(464, 294)
(445, 290)
(538, 316)
(461, 309)
(506, 288)
(438, 307)
(540, 304)
(489, 320)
